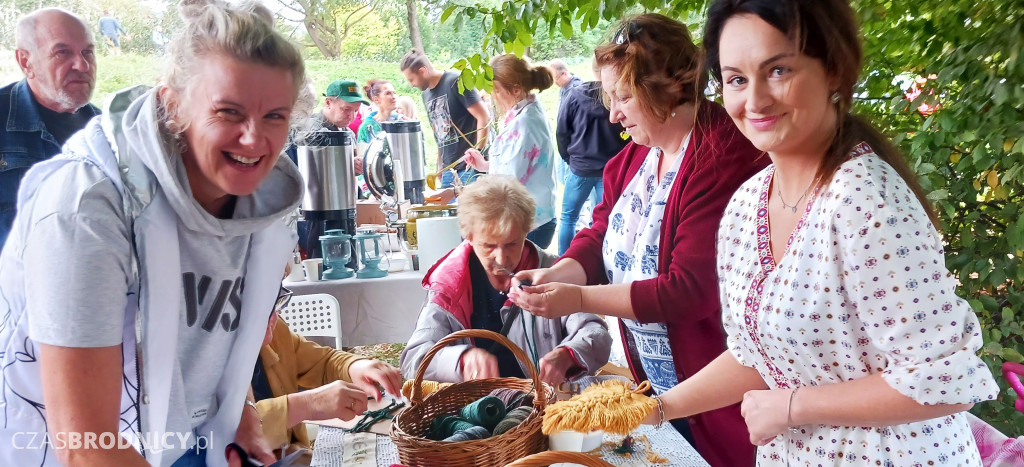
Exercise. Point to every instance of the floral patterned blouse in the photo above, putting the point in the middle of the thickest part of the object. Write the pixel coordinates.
(630, 252)
(862, 288)
(525, 149)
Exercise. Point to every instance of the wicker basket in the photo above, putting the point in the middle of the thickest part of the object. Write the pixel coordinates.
(553, 457)
(413, 423)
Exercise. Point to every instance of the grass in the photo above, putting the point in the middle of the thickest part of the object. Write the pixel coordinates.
(384, 352)
(118, 72)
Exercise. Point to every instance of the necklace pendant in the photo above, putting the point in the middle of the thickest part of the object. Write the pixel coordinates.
(793, 208)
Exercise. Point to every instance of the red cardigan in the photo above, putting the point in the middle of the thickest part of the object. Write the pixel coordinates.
(684, 296)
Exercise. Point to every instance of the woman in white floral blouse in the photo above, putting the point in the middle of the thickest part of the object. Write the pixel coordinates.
(846, 342)
(524, 148)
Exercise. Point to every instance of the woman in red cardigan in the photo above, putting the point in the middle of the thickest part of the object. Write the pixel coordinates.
(649, 257)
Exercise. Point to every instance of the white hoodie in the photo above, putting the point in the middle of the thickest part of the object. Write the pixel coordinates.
(109, 247)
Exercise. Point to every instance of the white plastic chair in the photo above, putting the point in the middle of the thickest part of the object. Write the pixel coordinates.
(313, 315)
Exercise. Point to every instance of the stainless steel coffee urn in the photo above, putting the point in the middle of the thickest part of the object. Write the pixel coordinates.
(326, 163)
(394, 163)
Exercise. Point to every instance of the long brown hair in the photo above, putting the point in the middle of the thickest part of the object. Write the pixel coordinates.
(827, 31)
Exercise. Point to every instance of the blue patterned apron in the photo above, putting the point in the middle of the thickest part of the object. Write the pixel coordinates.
(630, 253)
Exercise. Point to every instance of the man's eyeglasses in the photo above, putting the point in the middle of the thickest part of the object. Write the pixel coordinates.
(628, 32)
(283, 297)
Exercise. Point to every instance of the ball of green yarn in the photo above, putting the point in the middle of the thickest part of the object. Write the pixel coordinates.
(486, 412)
(512, 420)
(476, 432)
(443, 427)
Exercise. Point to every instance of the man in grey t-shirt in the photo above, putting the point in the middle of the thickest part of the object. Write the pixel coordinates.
(459, 120)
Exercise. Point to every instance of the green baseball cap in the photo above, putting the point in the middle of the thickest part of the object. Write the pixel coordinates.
(345, 90)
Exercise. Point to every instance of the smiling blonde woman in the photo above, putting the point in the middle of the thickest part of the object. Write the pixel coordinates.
(167, 217)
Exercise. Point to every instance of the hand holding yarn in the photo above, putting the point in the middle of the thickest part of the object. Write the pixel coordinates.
(532, 277)
(369, 374)
(335, 400)
(554, 365)
(766, 413)
(479, 364)
(552, 300)
(475, 159)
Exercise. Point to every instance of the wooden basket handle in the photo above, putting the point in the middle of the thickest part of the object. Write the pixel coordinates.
(417, 391)
(551, 457)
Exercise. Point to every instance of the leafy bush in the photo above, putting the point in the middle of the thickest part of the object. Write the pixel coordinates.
(969, 152)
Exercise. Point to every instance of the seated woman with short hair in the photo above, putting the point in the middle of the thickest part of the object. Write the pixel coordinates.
(468, 287)
(335, 383)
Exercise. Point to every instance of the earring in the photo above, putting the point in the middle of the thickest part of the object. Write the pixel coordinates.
(673, 114)
(834, 98)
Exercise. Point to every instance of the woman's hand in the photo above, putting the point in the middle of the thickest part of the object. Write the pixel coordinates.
(335, 400)
(566, 270)
(551, 300)
(250, 437)
(653, 418)
(554, 365)
(479, 364)
(475, 159)
(532, 277)
(766, 413)
(369, 374)
(442, 197)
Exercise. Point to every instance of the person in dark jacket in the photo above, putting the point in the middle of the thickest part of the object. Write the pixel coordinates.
(39, 113)
(586, 141)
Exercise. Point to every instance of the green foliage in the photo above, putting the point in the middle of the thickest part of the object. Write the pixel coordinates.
(118, 72)
(137, 19)
(547, 46)
(375, 38)
(446, 40)
(969, 153)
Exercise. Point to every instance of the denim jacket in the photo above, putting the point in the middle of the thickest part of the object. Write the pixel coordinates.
(23, 142)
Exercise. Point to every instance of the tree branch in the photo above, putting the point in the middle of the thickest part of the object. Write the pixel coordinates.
(348, 23)
(289, 6)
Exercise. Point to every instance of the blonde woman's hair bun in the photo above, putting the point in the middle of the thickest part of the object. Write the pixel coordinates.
(192, 10)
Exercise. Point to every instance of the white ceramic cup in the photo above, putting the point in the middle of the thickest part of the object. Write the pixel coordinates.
(312, 267)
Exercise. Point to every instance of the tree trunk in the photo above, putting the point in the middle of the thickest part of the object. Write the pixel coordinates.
(414, 25)
(322, 39)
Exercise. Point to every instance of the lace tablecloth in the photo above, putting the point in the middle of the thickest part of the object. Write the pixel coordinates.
(666, 442)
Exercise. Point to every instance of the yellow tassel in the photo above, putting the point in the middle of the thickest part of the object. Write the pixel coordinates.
(611, 406)
(428, 387)
(652, 456)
